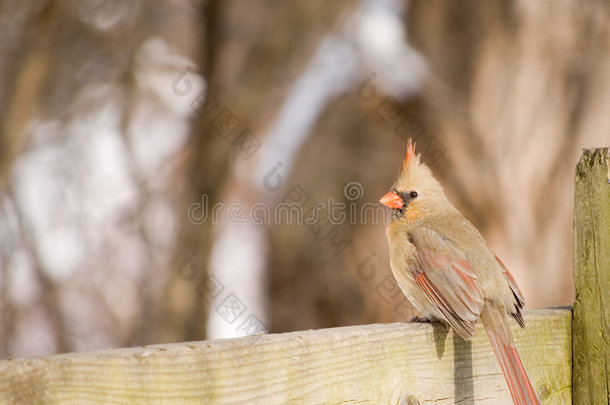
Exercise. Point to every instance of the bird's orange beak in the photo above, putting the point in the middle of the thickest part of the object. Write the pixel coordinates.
(392, 200)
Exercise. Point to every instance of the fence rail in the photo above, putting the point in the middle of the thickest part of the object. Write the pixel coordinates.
(372, 364)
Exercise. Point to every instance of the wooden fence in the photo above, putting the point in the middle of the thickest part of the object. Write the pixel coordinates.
(566, 352)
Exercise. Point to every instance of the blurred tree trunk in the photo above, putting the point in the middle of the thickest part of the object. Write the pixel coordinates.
(182, 313)
(27, 56)
(269, 45)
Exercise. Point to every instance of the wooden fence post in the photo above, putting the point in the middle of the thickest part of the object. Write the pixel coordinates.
(591, 324)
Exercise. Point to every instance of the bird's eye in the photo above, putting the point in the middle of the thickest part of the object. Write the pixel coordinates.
(413, 194)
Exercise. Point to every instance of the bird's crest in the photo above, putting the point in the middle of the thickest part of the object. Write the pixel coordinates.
(413, 173)
(410, 156)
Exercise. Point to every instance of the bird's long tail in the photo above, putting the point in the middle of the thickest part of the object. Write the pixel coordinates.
(514, 372)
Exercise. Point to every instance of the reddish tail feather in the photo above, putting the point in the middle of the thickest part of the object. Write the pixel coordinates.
(516, 377)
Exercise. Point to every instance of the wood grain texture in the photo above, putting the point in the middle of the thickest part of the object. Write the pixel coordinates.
(373, 364)
(591, 327)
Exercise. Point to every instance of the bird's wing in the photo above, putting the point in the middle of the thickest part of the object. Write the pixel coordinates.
(447, 280)
(520, 301)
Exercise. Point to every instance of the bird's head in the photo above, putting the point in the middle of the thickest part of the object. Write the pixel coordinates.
(415, 194)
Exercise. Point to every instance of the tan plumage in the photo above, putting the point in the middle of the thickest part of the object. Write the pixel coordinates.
(445, 268)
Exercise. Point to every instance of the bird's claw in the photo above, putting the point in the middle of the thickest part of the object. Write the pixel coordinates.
(419, 319)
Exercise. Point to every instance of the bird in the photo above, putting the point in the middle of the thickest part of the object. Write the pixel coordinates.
(448, 272)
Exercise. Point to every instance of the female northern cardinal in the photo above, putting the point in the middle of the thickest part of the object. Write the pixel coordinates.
(448, 272)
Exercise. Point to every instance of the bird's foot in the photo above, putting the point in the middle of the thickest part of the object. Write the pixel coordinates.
(419, 319)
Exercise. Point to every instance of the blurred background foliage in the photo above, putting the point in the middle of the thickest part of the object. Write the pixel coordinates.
(123, 123)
